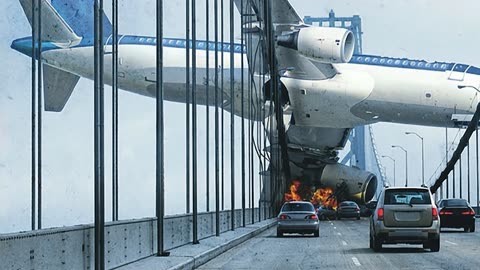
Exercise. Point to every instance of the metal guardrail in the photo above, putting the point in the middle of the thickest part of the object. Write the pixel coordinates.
(125, 241)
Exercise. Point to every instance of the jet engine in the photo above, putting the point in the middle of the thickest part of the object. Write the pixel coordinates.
(355, 184)
(324, 44)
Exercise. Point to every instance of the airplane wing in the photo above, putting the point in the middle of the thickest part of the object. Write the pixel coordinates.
(284, 18)
(282, 11)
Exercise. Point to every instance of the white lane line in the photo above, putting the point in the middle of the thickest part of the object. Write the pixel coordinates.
(335, 228)
(356, 261)
(451, 243)
(344, 243)
(339, 233)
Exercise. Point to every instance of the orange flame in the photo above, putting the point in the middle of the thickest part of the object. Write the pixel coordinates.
(324, 196)
(293, 195)
(321, 196)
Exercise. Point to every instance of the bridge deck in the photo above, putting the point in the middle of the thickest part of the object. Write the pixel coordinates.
(344, 245)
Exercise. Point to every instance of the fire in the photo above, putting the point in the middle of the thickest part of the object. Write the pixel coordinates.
(293, 195)
(320, 197)
(325, 197)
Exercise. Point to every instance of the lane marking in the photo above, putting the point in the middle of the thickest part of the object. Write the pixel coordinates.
(356, 261)
(451, 243)
(344, 243)
(339, 234)
(335, 228)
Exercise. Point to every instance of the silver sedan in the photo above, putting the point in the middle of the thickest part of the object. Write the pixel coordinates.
(297, 217)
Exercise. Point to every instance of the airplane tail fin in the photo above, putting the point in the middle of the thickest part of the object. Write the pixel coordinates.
(79, 15)
(54, 28)
(65, 23)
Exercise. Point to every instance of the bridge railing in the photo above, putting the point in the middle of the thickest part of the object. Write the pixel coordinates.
(126, 241)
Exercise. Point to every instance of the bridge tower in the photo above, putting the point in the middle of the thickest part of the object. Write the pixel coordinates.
(357, 155)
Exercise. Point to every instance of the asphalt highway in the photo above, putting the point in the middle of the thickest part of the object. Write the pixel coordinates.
(344, 245)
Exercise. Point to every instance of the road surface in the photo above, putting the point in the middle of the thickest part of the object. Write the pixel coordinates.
(344, 245)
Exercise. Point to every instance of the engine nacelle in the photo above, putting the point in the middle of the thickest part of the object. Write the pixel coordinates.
(325, 44)
(358, 185)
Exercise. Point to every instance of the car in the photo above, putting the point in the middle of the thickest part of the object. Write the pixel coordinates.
(326, 212)
(405, 215)
(364, 211)
(297, 217)
(348, 209)
(456, 213)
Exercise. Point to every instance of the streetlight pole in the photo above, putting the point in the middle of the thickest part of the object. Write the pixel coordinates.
(394, 173)
(406, 163)
(423, 154)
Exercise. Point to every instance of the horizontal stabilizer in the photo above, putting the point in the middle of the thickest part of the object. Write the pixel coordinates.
(58, 87)
(54, 28)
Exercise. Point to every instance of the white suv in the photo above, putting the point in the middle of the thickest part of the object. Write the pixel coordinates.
(405, 215)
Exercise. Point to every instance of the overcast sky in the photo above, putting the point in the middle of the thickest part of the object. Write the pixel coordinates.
(420, 29)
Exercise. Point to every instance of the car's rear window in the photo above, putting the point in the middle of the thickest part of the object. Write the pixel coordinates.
(292, 207)
(407, 196)
(348, 204)
(456, 202)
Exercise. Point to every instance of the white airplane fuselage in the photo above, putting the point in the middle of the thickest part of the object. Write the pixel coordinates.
(362, 93)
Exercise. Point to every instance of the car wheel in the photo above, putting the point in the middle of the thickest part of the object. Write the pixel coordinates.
(316, 233)
(371, 241)
(279, 233)
(358, 218)
(435, 245)
(377, 244)
(472, 228)
(465, 229)
(338, 218)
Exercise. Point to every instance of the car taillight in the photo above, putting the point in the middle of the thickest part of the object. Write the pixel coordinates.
(314, 217)
(446, 213)
(435, 213)
(468, 213)
(283, 217)
(380, 213)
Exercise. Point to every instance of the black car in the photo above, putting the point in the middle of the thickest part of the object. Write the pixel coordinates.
(456, 213)
(326, 212)
(348, 209)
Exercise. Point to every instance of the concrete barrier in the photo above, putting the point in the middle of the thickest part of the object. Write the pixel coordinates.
(125, 241)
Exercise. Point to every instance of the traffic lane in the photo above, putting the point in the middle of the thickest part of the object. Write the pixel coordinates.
(344, 245)
(458, 250)
(267, 251)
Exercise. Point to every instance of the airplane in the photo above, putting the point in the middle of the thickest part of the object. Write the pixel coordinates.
(329, 91)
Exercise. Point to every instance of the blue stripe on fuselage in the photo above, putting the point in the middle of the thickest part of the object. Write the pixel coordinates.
(24, 45)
